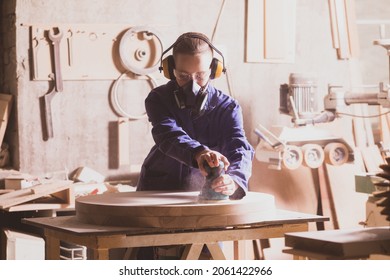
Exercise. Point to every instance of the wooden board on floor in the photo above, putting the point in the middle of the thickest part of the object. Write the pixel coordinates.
(342, 243)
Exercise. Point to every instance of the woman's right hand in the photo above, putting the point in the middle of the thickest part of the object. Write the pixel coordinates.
(212, 158)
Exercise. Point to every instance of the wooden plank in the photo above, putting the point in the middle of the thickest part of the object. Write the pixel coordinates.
(333, 22)
(359, 132)
(5, 191)
(6, 101)
(327, 200)
(39, 206)
(353, 39)
(349, 243)
(367, 125)
(372, 158)
(21, 196)
(124, 141)
(343, 50)
(255, 31)
(275, 29)
(270, 31)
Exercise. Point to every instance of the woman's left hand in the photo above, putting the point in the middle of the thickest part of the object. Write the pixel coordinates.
(224, 184)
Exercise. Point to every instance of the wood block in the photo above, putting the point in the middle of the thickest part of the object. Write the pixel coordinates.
(270, 31)
(20, 181)
(88, 175)
(342, 243)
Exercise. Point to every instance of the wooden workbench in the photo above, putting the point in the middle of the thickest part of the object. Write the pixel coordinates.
(100, 239)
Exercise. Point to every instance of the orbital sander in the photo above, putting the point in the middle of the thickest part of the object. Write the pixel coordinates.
(207, 192)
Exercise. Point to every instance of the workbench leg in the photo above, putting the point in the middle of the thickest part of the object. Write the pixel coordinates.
(216, 251)
(131, 253)
(100, 254)
(258, 251)
(299, 258)
(192, 252)
(239, 250)
(52, 246)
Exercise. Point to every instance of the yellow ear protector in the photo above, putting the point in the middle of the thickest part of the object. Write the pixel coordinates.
(168, 64)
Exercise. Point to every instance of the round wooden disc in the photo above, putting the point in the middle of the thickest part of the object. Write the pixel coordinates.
(170, 209)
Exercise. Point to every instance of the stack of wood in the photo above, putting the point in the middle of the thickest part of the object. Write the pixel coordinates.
(383, 192)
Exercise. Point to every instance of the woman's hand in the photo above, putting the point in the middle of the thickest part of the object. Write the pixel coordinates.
(224, 184)
(212, 158)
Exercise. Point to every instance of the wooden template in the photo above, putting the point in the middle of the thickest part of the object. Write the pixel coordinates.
(270, 31)
(170, 209)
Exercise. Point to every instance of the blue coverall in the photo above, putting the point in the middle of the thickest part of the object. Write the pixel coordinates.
(179, 135)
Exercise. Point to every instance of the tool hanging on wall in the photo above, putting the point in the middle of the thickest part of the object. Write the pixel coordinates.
(58, 86)
(114, 98)
(140, 50)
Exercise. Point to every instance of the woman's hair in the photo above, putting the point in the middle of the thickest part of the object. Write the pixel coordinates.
(191, 43)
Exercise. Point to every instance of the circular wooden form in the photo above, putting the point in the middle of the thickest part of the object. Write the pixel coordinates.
(176, 210)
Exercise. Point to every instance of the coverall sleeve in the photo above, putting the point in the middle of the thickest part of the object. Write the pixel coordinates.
(236, 148)
(169, 137)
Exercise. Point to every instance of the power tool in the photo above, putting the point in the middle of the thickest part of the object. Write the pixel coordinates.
(207, 193)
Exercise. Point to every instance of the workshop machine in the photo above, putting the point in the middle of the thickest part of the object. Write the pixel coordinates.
(305, 143)
(311, 145)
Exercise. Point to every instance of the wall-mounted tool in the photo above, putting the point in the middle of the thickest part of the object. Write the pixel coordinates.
(58, 86)
(140, 49)
(207, 193)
